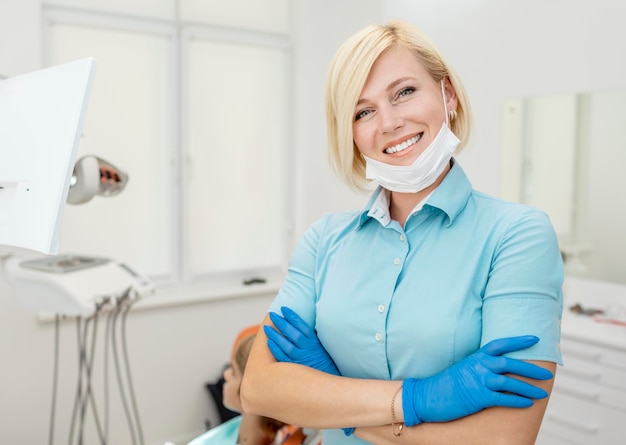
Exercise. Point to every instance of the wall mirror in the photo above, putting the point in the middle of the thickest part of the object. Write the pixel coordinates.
(566, 154)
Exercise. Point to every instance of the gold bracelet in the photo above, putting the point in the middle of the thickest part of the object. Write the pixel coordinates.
(398, 432)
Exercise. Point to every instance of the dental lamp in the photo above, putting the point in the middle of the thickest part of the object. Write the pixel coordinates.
(94, 176)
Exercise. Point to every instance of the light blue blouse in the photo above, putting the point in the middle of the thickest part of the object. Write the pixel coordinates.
(393, 303)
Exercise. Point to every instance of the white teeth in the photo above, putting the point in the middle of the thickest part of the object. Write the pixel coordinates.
(403, 145)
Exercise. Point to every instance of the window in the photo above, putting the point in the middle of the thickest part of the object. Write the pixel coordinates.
(235, 217)
(197, 114)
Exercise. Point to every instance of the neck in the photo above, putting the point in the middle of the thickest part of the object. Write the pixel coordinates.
(402, 204)
(253, 430)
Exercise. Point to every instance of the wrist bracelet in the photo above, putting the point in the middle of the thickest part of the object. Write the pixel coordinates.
(396, 432)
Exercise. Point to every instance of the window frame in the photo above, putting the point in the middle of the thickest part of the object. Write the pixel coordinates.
(180, 279)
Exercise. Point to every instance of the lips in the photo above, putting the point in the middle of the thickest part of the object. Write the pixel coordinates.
(404, 145)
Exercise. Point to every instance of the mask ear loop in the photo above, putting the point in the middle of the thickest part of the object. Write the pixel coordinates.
(445, 106)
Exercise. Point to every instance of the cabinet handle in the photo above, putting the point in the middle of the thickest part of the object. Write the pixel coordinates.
(589, 395)
(591, 429)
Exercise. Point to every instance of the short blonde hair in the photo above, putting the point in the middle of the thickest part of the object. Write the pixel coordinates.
(347, 76)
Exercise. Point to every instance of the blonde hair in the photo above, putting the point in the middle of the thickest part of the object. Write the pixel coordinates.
(347, 75)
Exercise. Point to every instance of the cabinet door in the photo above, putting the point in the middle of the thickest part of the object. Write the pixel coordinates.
(579, 421)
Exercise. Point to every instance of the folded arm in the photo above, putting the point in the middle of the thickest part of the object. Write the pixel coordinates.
(506, 426)
(304, 396)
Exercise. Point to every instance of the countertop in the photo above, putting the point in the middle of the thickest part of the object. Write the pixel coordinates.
(590, 294)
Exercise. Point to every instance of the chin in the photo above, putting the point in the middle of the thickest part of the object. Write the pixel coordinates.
(232, 406)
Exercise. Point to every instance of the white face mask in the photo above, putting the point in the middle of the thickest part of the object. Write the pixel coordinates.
(426, 168)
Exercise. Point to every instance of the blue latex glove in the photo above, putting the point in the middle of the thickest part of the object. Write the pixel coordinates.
(473, 384)
(296, 342)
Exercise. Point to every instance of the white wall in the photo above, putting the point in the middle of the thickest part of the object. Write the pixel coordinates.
(514, 48)
(173, 351)
(20, 36)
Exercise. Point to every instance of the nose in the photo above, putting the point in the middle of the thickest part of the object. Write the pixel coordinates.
(227, 373)
(390, 118)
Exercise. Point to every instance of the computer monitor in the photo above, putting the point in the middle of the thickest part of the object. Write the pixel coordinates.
(41, 119)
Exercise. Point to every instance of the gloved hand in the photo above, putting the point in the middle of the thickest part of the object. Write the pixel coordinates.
(474, 383)
(296, 342)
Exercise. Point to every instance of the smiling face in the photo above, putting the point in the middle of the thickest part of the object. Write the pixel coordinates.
(400, 109)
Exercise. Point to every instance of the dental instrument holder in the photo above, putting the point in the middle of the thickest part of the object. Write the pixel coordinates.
(74, 285)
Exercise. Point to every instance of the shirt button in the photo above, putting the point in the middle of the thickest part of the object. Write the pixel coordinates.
(378, 336)
(381, 308)
(402, 237)
(397, 261)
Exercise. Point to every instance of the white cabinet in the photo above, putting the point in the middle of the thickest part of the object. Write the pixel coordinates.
(588, 402)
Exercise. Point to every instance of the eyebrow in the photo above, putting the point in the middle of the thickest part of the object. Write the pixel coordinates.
(391, 86)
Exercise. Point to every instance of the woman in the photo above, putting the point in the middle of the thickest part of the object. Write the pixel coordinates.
(403, 312)
(247, 429)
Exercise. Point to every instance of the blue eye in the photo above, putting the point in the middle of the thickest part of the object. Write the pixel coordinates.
(362, 114)
(406, 91)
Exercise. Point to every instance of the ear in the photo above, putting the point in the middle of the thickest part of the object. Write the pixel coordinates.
(452, 100)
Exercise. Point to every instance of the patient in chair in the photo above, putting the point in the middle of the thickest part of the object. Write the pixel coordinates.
(248, 429)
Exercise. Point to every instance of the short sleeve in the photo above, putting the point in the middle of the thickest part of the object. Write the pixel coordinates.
(524, 295)
(299, 288)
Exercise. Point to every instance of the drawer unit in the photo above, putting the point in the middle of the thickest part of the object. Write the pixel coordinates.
(591, 382)
(581, 422)
(612, 359)
(588, 402)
